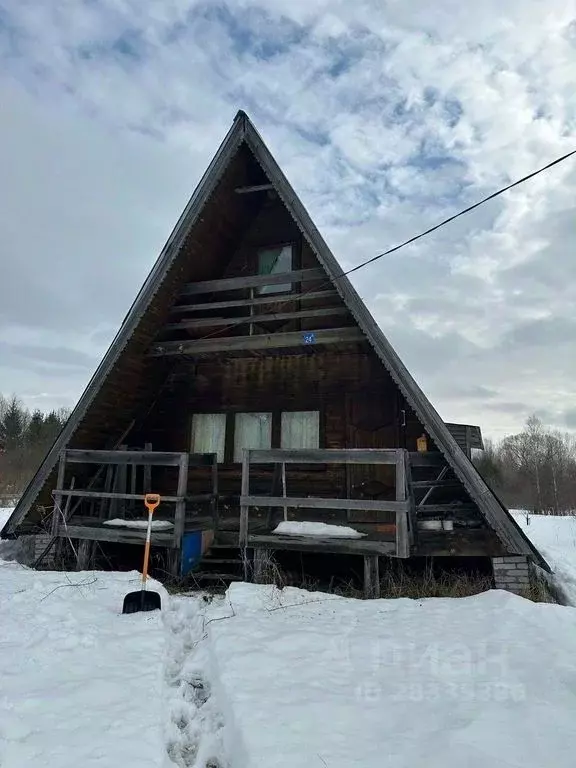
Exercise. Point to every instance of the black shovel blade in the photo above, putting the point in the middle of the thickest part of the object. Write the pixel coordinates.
(141, 601)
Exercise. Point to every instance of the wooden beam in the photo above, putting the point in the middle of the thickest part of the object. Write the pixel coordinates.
(448, 507)
(261, 562)
(255, 302)
(431, 489)
(371, 577)
(319, 503)
(264, 317)
(402, 532)
(254, 188)
(152, 458)
(325, 456)
(57, 512)
(147, 480)
(104, 495)
(244, 505)
(260, 341)
(180, 512)
(254, 281)
(437, 483)
(373, 516)
(85, 554)
(179, 517)
(402, 535)
(412, 519)
(428, 459)
(322, 544)
(113, 534)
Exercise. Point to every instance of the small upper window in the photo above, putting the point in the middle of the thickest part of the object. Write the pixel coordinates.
(275, 261)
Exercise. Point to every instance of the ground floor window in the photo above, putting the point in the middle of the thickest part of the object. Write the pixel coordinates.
(209, 434)
(228, 434)
(252, 430)
(300, 429)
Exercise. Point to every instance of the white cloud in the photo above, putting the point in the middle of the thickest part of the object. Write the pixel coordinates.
(387, 116)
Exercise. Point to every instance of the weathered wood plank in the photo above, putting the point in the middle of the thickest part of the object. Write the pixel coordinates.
(152, 458)
(260, 564)
(429, 459)
(253, 281)
(462, 543)
(260, 341)
(375, 516)
(322, 544)
(180, 511)
(371, 577)
(85, 553)
(412, 519)
(438, 483)
(325, 456)
(254, 188)
(400, 477)
(57, 495)
(105, 495)
(447, 507)
(118, 535)
(265, 317)
(319, 503)
(244, 505)
(147, 482)
(402, 532)
(255, 302)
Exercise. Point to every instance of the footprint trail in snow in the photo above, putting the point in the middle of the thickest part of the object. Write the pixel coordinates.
(194, 730)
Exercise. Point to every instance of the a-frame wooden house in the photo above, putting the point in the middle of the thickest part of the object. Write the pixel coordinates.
(246, 335)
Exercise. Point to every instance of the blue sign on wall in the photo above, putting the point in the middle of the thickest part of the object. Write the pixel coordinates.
(309, 337)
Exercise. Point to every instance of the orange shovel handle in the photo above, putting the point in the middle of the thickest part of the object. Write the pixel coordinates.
(151, 500)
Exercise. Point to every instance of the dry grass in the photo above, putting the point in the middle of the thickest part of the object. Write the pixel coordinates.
(430, 584)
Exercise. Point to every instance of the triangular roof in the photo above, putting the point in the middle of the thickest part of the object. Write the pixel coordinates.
(244, 132)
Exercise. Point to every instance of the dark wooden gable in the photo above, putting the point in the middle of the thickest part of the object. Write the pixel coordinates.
(244, 201)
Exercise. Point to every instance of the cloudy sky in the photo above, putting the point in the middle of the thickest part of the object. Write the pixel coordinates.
(386, 115)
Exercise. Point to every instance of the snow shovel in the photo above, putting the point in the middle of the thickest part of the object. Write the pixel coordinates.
(144, 600)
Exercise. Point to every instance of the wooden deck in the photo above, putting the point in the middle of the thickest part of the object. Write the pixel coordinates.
(369, 545)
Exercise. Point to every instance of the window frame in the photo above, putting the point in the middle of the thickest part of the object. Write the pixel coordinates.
(279, 289)
(191, 431)
(275, 431)
(235, 416)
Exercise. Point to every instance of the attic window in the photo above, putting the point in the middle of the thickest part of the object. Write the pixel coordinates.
(275, 261)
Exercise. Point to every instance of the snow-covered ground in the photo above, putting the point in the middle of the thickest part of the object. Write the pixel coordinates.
(80, 684)
(311, 679)
(555, 537)
(263, 678)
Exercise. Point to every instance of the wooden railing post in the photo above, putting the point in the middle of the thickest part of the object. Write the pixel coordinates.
(180, 512)
(412, 519)
(57, 513)
(244, 491)
(371, 576)
(402, 532)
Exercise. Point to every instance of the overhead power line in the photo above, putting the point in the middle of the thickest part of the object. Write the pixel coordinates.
(460, 213)
(287, 300)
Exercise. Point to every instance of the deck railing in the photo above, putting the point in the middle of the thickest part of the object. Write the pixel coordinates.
(402, 505)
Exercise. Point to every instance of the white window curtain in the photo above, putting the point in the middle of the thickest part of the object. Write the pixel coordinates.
(209, 433)
(252, 430)
(300, 429)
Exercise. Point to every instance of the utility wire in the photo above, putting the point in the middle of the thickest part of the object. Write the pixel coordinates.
(281, 302)
(457, 215)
